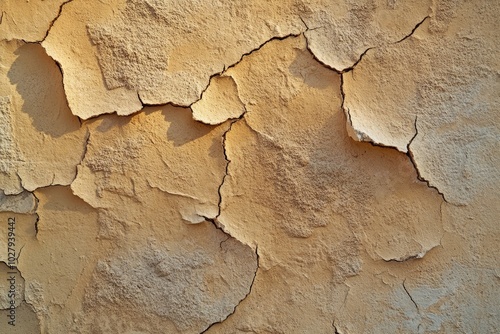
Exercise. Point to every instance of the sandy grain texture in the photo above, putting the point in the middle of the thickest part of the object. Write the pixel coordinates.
(297, 166)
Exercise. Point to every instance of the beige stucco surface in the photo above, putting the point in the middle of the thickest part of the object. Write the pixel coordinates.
(297, 166)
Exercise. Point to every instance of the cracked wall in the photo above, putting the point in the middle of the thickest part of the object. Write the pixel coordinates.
(298, 166)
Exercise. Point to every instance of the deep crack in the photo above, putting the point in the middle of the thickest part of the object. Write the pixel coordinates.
(274, 38)
(84, 153)
(248, 293)
(408, 293)
(226, 171)
(414, 163)
(36, 214)
(413, 30)
(408, 152)
(218, 226)
(51, 24)
(351, 68)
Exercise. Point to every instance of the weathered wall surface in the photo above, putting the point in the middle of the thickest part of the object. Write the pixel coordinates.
(296, 166)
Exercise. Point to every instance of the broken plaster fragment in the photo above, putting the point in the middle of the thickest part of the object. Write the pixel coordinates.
(454, 144)
(126, 62)
(308, 195)
(340, 31)
(69, 44)
(9, 154)
(124, 155)
(219, 103)
(25, 202)
(41, 141)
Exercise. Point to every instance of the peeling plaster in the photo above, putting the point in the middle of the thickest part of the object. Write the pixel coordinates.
(251, 167)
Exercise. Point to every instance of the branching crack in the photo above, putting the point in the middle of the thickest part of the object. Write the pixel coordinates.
(36, 214)
(307, 26)
(347, 112)
(351, 68)
(51, 24)
(225, 68)
(217, 224)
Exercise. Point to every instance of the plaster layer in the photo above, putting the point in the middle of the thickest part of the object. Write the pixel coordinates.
(297, 166)
(42, 142)
(28, 20)
(445, 113)
(126, 62)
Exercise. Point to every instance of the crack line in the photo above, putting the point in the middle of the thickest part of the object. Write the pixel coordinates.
(414, 163)
(217, 224)
(413, 30)
(51, 24)
(246, 54)
(351, 68)
(85, 148)
(36, 214)
(413, 301)
(248, 293)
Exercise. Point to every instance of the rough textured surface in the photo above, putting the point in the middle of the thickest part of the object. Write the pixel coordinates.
(219, 102)
(340, 32)
(42, 142)
(297, 166)
(447, 114)
(24, 202)
(26, 316)
(28, 20)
